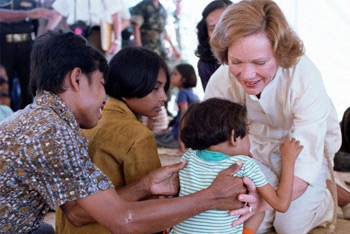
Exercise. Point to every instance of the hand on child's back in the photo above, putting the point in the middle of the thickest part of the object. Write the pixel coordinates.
(290, 149)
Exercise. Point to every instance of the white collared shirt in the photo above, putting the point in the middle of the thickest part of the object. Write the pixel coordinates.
(295, 104)
(99, 10)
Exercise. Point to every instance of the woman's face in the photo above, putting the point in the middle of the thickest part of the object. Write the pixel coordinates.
(252, 62)
(212, 19)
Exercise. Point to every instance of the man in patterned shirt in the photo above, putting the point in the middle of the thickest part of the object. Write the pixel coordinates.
(44, 161)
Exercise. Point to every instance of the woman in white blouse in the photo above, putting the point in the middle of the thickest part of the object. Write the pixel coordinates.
(264, 67)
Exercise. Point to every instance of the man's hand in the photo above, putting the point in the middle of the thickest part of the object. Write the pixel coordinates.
(253, 201)
(39, 13)
(226, 188)
(176, 53)
(165, 180)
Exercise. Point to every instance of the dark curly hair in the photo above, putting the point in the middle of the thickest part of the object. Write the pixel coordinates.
(211, 122)
(203, 50)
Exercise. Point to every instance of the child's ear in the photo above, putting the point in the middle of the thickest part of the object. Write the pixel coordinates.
(232, 138)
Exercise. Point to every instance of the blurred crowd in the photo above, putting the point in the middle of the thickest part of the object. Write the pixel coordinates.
(108, 25)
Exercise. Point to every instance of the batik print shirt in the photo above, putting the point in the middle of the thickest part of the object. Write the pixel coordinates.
(44, 163)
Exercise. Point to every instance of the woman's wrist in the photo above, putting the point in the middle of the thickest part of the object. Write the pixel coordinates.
(264, 206)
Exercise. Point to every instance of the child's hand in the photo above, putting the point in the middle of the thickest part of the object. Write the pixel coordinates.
(290, 149)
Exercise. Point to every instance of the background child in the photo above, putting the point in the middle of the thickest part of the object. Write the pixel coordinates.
(184, 78)
(122, 147)
(217, 133)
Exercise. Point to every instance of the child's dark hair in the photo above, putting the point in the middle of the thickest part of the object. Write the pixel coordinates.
(134, 73)
(189, 78)
(211, 122)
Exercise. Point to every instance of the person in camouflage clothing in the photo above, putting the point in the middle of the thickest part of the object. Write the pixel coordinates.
(149, 21)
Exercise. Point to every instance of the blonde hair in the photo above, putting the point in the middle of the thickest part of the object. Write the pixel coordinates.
(250, 17)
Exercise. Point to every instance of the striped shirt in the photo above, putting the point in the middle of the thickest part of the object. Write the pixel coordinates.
(199, 174)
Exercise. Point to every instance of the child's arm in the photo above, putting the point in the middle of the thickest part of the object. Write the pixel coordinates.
(280, 198)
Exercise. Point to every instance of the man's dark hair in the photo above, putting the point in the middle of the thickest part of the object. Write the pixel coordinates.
(134, 73)
(188, 74)
(55, 53)
(211, 122)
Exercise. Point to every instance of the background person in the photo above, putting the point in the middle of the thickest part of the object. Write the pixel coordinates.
(149, 19)
(266, 70)
(207, 63)
(89, 14)
(185, 79)
(342, 165)
(17, 32)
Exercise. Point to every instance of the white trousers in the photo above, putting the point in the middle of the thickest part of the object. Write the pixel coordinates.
(313, 208)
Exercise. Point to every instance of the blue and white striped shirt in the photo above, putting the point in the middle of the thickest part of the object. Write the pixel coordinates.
(198, 174)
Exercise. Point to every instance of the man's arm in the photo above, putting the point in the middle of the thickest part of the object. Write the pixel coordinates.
(176, 52)
(119, 216)
(113, 49)
(162, 181)
(54, 20)
(10, 16)
(125, 23)
(137, 34)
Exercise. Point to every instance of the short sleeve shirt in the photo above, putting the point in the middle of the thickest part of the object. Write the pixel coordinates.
(198, 174)
(44, 163)
(185, 96)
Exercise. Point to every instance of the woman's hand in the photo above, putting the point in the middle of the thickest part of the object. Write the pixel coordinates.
(255, 203)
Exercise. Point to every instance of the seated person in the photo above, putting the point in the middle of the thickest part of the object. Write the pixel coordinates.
(216, 131)
(122, 147)
(342, 158)
(184, 78)
(342, 164)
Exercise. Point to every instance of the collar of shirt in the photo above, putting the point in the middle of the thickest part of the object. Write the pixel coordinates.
(211, 156)
(114, 104)
(54, 102)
